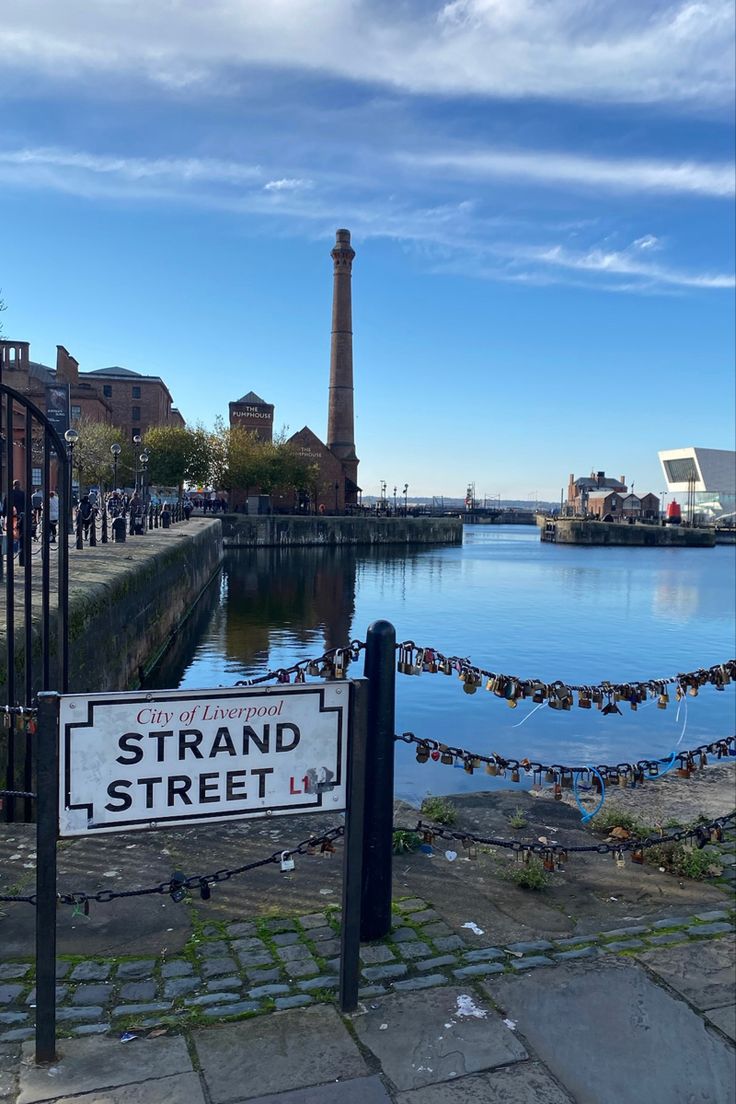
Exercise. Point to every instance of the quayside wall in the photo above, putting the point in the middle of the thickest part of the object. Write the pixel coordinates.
(244, 531)
(580, 531)
(128, 601)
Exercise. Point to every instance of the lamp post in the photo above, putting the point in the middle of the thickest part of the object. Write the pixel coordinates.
(136, 442)
(406, 500)
(383, 494)
(71, 437)
(394, 501)
(115, 450)
(144, 471)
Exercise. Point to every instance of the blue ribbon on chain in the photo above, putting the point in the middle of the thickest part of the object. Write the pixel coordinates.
(584, 815)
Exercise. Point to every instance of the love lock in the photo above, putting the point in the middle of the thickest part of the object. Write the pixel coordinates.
(287, 862)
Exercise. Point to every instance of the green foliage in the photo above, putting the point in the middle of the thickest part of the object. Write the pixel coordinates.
(684, 860)
(440, 810)
(405, 842)
(529, 875)
(178, 454)
(612, 817)
(518, 818)
(242, 461)
(92, 457)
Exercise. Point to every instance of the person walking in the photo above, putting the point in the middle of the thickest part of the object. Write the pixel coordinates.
(53, 516)
(87, 514)
(14, 513)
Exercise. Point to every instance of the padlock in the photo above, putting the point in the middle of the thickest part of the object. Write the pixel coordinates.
(515, 774)
(327, 848)
(491, 769)
(620, 860)
(548, 862)
(340, 663)
(283, 676)
(584, 702)
(178, 892)
(637, 856)
(287, 862)
(300, 675)
(422, 753)
(417, 665)
(313, 668)
(447, 758)
(204, 889)
(558, 792)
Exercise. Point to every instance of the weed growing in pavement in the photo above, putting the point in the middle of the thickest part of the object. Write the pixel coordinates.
(439, 809)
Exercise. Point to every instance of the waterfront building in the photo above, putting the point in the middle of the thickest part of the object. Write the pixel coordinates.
(705, 480)
(119, 397)
(579, 490)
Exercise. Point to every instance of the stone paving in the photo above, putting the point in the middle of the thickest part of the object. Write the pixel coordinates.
(230, 970)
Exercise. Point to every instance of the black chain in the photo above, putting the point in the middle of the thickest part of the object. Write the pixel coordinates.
(413, 660)
(621, 773)
(331, 664)
(701, 831)
(196, 881)
(17, 793)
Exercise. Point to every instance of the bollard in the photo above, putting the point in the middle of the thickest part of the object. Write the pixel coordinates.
(80, 540)
(380, 670)
(165, 519)
(150, 516)
(156, 512)
(131, 529)
(92, 530)
(118, 530)
(104, 526)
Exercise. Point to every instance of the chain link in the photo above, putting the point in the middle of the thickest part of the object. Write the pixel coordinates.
(605, 695)
(331, 664)
(700, 831)
(634, 773)
(17, 793)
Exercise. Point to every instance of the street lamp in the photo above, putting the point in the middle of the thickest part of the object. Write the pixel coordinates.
(383, 494)
(115, 450)
(406, 500)
(394, 501)
(136, 442)
(144, 462)
(71, 437)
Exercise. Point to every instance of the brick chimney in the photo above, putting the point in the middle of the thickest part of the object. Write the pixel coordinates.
(67, 368)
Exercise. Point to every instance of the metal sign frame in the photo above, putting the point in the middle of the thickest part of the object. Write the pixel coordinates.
(48, 781)
(131, 761)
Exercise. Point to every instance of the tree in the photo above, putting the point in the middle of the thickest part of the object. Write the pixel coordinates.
(238, 457)
(178, 454)
(92, 456)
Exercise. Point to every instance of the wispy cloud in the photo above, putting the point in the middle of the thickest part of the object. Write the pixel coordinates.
(287, 185)
(678, 51)
(444, 236)
(181, 169)
(549, 167)
(624, 263)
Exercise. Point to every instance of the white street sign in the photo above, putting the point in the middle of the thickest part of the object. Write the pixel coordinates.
(145, 760)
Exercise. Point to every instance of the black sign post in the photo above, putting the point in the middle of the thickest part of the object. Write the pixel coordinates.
(352, 877)
(47, 826)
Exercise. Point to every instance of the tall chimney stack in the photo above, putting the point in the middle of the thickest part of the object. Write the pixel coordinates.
(340, 421)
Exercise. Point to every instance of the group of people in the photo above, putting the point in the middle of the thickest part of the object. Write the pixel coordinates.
(13, 514)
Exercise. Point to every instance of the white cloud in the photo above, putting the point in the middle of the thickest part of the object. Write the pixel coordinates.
(188, 169)
(623, 263)
(649, 241)
(287, 185)
(613, 50)
(549, 167)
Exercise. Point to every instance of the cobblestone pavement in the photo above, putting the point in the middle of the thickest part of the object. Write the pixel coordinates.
(250, 967)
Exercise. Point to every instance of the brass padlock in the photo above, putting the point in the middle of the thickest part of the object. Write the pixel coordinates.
(422, 753)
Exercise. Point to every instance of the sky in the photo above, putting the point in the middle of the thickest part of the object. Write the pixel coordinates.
(540, 195)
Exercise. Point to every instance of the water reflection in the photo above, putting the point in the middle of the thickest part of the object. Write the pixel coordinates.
(510, 603)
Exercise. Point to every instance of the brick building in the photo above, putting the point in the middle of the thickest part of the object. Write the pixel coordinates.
(137, 402)
(253, 414)
(579, 490)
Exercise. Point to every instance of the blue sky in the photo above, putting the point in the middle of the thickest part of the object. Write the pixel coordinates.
(541, 197)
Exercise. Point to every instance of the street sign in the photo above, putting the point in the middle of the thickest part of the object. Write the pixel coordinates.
(145, 760)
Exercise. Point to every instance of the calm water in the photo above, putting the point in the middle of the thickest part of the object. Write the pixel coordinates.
(511, 604)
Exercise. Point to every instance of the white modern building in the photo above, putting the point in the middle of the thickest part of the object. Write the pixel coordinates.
(704, 479)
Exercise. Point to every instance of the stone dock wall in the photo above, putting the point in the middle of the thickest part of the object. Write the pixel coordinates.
(579, 531)
(243, 531)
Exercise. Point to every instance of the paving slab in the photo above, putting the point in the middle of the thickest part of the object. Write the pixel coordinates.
(420, 1039)
(362, 1090)
(598, 1025)
(525, 1083)
(93, 1065)
(277, 1053)
(705, 974)
(181, 1088)
(725, 1019)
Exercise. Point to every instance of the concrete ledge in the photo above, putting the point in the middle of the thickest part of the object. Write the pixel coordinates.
(243, 531)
